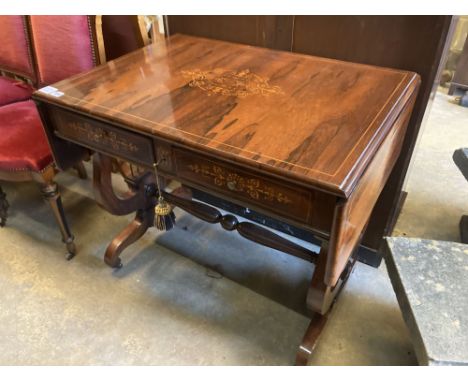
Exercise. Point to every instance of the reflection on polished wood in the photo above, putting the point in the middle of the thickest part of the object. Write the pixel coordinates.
(309, 342)
(330, 118)
(304, 140)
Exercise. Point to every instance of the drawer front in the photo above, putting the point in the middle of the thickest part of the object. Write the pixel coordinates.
(102, 137)
(240, 184)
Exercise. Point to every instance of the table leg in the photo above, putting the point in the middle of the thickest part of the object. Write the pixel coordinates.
(310, 339)
(130, 201)
(143, 220)
(135, 199)
(81, 170)
(320, 299)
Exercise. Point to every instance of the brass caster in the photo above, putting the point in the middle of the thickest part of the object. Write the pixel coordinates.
(71, 248)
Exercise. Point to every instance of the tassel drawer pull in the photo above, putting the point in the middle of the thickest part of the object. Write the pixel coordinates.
(164, 218)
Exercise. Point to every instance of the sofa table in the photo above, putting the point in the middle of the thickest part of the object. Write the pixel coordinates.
(303, 140)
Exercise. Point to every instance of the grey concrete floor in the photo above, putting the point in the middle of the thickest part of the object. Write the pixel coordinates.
(198, 295)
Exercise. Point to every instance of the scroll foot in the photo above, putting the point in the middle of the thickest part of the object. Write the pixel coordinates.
(320, 300)
(310, 339)
(131, 233)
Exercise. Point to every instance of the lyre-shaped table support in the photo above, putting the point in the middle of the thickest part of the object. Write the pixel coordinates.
(135, 199)
(141, 197)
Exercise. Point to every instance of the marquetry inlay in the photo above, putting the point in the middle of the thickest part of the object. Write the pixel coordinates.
(240, 83)
(251, 186)
(99, 135)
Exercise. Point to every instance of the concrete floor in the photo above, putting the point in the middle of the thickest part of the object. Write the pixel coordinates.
(201, 295)
(437, 191)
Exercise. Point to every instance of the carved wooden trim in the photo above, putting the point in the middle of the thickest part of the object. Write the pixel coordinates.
(248, 230)
(131, 233)
(105, 194)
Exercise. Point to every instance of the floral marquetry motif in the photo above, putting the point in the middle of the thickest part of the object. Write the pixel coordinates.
(240, 83)
(97, 134)
(235, 182)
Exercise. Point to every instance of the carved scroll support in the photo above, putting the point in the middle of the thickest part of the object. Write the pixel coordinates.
(135, 199)
(132, 200)
(143, 220)
(320, 297)
(141, 197)
(320, 300)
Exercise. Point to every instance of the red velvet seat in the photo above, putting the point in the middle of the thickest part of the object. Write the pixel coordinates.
(13, 91)
(18, 121)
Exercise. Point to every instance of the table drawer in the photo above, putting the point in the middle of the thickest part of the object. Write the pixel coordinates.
(240, 184)
(102, 137)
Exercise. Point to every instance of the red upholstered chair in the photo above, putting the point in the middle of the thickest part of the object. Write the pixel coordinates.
(38, 50)
(16, 65)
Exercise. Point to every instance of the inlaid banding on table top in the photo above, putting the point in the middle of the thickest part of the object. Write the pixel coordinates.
(256, 154)
(306, 117)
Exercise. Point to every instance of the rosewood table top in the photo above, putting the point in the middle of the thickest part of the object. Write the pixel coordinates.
(316, 121)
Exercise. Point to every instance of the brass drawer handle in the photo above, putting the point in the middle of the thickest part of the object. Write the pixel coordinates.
(232, 185)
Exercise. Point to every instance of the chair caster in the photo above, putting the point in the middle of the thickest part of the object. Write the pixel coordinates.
(69, 256)
(71, 248)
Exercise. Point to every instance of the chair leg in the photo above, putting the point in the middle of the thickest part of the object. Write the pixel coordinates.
(3, 208)
(49, 190)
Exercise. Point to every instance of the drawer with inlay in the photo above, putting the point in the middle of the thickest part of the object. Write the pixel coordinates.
(102, 137)
(241, 184)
